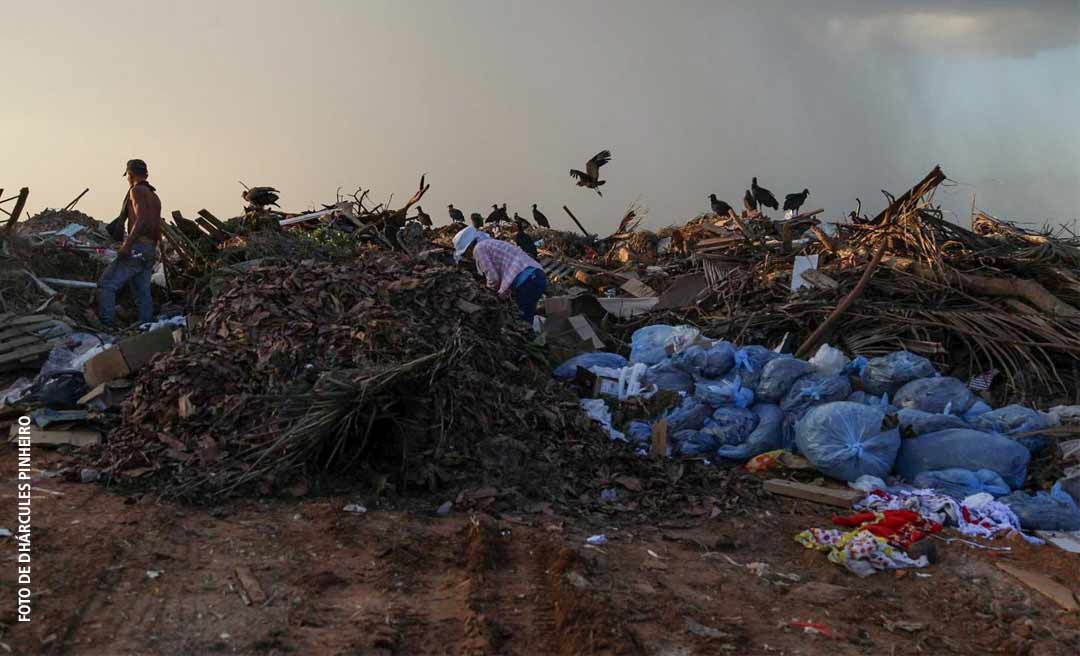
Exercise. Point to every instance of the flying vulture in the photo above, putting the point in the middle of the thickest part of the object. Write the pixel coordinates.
(590, 177)
(261, 196)
(423, 217)
(763, 196)
(719, 207)
(794, 201)
(455, 214)
(748, 202)
(539, 218)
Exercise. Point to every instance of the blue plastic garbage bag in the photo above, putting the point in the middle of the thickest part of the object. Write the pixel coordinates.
(724, 392)
(977, 409)
(692, 360)
(720, 359)
(777, 377)
(647, 345)
(871, 400)
(962, 483)
(960, 448)
(691, 414)
(856, 367)
(815, 389)
(918, 422)
(1036, 444)
(887, 374)
(845, 440)
(693, 443)
(937, 395)
(568, 369)
(1010, 420)
(667, 376)
(1044, 512)
(638, 431)
(750, 361)
(767, 436)
(731, 426)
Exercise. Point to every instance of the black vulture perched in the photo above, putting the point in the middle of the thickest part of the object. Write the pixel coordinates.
(477, 220)
(748, 202)
(520, 221)
(794, 201)
(763, 196)
(590, 177)
(494, 216)
(423, 217)
(455, 214)
(719, 207)
(261, 196)
(539, 218)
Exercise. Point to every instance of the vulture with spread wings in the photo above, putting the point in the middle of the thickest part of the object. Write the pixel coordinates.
(590, 177)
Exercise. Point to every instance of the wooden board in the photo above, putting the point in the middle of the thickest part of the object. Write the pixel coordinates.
(585, 330)
(74, 438)
(638, 289)
(1062, 540)
(29, 351)
(12, 344)
(25, 319)
(1044, 585)
(658, 443)
(28, 329)
(840, 497)
(251, 584)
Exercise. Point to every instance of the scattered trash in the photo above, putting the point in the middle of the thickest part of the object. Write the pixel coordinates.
(354, 508)
(596, 540)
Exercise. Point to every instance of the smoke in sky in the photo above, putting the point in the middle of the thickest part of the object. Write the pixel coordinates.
(496, 100)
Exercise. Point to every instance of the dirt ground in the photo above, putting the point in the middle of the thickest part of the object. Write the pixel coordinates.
(116, 575)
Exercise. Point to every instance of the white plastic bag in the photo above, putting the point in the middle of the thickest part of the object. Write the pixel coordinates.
(829, 361)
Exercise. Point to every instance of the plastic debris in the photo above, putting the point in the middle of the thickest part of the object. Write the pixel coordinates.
(767, 436)
(354, 508)
(966, 449)
(918, 422)
(936, 395)
(1042, 511)
(647, 345)
(597, 540)
(887, 374)
(962, 483)
(726, 392)
(777, 377)
(829, 360)
(567, 370)
(845, 440)
(730, 426)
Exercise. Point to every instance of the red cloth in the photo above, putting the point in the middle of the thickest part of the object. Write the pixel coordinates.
(902, 528)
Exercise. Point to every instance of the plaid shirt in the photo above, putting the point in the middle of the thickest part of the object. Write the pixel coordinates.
(501, 262)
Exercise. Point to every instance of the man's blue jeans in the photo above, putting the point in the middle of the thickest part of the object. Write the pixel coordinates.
(137, 268)
(529, 286)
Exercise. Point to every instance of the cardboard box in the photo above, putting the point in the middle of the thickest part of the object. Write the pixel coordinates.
(139, 349)
(105, 366)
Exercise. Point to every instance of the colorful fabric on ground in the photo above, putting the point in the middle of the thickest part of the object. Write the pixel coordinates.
(860, 551)
(902, 528)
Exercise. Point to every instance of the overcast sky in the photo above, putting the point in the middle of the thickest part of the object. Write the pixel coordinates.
(497, 100)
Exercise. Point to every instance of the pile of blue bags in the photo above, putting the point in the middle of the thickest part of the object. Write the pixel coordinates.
(887, 415)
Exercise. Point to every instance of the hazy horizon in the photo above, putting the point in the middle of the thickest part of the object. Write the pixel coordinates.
(496, 101)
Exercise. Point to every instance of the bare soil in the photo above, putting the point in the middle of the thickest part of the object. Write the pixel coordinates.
(115, 575)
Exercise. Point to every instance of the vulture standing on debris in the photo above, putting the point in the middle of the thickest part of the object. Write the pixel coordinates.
(763, 196)
(455, 214)
(261, 196)
(590, 177)
(477, 220)
(494, 216)
(423, 217)
(794, 201)
(520, 221)
(539, 218)
(522, 238)
(749, 203)
(719, 207)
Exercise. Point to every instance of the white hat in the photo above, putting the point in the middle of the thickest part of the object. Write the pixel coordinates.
(464, 238)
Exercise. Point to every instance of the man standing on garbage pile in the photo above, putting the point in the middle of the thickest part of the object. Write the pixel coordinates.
(506, 268)
(141, 213)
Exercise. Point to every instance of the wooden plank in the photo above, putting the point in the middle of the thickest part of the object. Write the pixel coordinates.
(30, 329)
(12, 344)
(585, 330)
(25, 319)
(214, 233)
(1067, 541)
(637, 288)
(19, 204)
(1059, 594)
(27, 351)
(214, 221)
(251, 584)
(658, 443)
(841, 497)
(74, 438)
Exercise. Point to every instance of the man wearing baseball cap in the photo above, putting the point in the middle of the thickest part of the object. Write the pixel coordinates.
(141, 214)
(505, 266)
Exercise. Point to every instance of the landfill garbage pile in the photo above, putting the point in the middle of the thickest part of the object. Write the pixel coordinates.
(320, 366)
